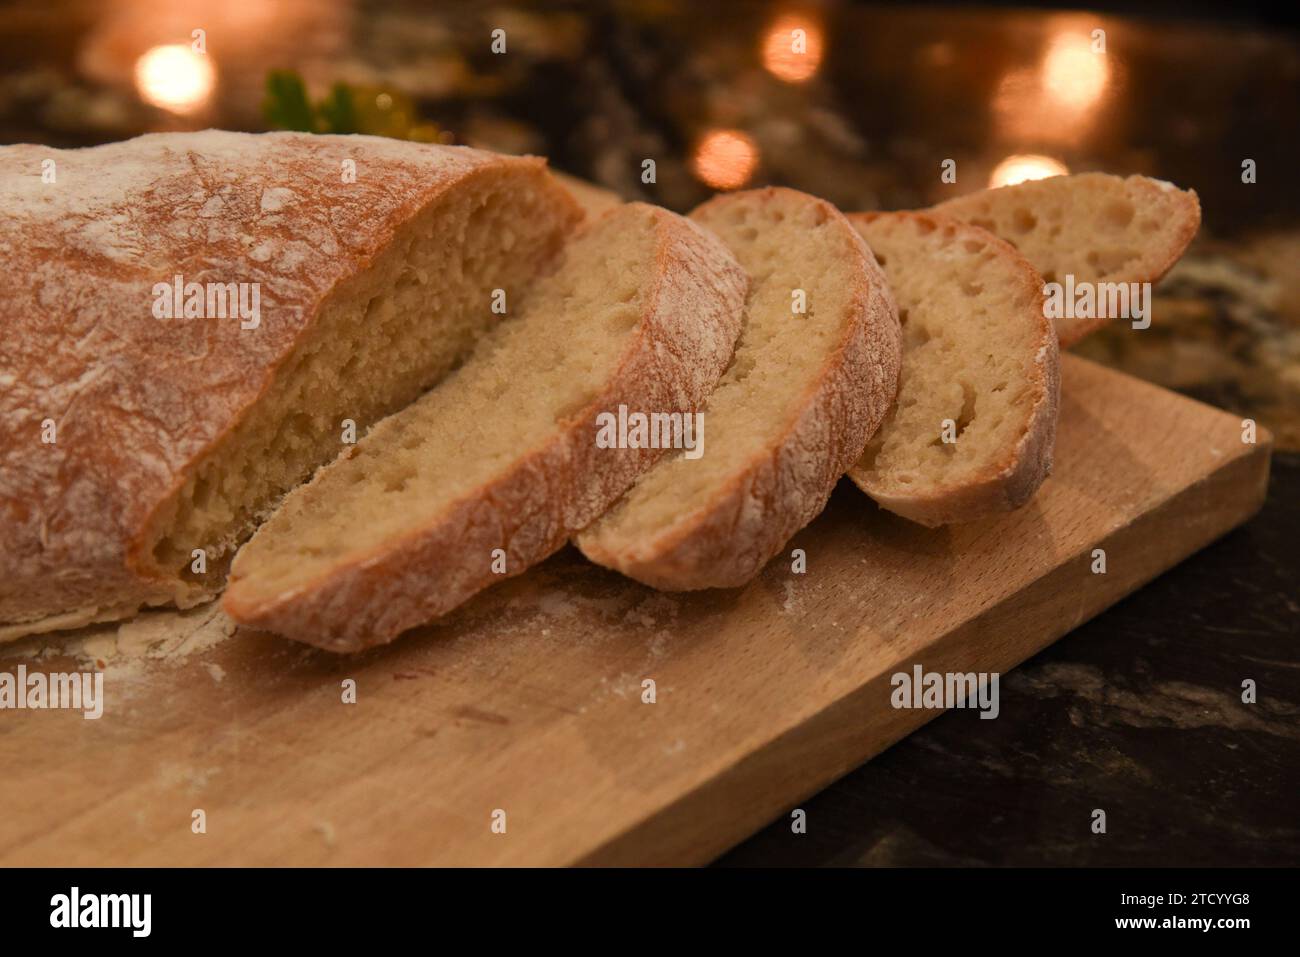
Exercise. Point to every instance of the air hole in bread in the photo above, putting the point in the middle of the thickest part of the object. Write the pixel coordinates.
(915, 335)
(960, 424)
(967, 415)
(1119, 213)
(397, 481)
(1106, 262)
(202, 491)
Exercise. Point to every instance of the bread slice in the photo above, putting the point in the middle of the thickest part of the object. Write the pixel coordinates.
(494, 469)
(593, 199)
(791, 414)
(376, 262)
(1093, 226)
(978, 356)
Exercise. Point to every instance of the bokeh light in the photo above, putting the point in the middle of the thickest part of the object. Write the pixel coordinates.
(1021, 167)
(725, 159)
(792, 49)
(1073, 75)
(175, 77)
(1057, 101)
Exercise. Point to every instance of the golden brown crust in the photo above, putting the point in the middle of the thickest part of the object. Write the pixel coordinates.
(138, 401)
(1009, 481)
(725, 540)
(684, 341)
(1094, 226)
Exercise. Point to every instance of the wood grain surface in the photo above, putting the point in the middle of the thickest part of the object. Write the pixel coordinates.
(529, 699)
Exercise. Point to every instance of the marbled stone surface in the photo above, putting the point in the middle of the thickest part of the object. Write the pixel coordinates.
(1225, 329)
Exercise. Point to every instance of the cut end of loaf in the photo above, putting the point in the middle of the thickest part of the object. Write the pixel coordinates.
(973, 427)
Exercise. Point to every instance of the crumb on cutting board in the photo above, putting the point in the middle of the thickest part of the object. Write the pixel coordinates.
(123, 648)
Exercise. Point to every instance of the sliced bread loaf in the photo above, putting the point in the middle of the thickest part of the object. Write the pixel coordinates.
(814, 373)
(974, 426)
(148, 422)
(1093, 226)
(494, 469)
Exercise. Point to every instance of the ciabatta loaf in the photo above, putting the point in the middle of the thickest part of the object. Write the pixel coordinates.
(1093, 226)
(815, 371)
(194, 322)
(495, 468)
(974, 426)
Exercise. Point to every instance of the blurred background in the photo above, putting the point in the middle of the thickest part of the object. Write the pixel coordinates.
(859, 103)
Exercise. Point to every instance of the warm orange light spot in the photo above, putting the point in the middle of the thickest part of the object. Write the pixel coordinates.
(1025, 166)
(1057, 101)
(792, 49)
(725, 159)
(175, 77)
(1073, 74)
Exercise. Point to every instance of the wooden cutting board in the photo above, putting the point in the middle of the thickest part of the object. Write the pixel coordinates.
(529, 700)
